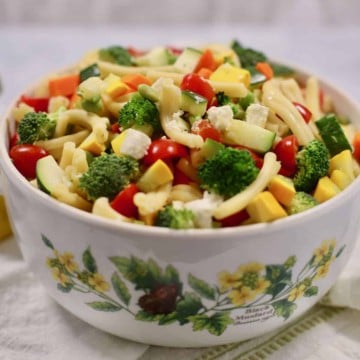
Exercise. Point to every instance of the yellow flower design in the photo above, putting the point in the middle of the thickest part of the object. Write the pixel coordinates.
(227, 280)
(323, 250)
(49, 262)
(67, 259)
(242, 295)
(253, 267)
(323, 270)
(297, 292)
(98, 282)
(59, 276)
(261, 286)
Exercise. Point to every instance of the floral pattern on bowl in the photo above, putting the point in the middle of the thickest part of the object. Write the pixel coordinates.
(262, 291)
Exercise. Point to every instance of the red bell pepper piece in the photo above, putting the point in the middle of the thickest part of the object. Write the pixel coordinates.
(38, 103)
(123, 203)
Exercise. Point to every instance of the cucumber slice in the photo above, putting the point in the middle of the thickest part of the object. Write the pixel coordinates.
(332, 134)
(49, 174)
(193, 103)
(158, 56)
(249, 135)
(187, 60)
(210, 148)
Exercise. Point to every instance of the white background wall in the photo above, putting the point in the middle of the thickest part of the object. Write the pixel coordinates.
(122, 12)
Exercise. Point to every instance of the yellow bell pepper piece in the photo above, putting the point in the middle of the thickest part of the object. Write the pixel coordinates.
(156, 175)
(264, 207)
(340, 179)
(325, 189)
(282, 188)
(230, 73)
(343, 161)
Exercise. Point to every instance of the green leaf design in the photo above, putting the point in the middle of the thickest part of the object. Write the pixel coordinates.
(120, 288)
(189, 305)
(89, 261)
(154, 269)
(201, 287)
(145, 316)
(104, 306)
(215, 324)
(340, 251)
(279, 277)
(311, 291)
(47, 242)
(284, 308)
(65, 289)
(136, 271)
(167, 319)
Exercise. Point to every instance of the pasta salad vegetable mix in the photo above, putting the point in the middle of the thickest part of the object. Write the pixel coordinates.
(206, 137)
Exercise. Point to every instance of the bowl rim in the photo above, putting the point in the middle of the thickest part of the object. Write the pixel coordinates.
(131, 229)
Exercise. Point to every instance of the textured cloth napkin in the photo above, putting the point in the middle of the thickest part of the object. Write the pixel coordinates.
(34, 327)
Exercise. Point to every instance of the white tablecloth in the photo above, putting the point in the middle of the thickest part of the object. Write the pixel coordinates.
(33, 327)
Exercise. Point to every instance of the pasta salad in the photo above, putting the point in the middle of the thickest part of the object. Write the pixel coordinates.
(183, 138)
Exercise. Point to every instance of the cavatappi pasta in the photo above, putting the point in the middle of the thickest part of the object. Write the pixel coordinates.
(210, 138)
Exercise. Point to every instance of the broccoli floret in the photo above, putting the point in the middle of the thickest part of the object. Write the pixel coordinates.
(107, 175)
(301, 201)
(139, 111)
(36, 126)
(115, 54)
(228, 172)
(223, 99)
(312, 163)
(175, 218)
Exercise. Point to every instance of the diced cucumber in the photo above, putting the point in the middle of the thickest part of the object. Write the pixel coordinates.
(148, 92)
(49, 174)
(249, 135)
(332, 134)
(187, 60)
(193, 103)
(158, 56)
(210, 148)
(257, 79)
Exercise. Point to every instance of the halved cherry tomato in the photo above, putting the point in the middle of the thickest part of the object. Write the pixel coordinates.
(39, 104)
(164, 149)
(304, 111)
(235, 219)
(206, 129)
(286, 150)
(175, 50)
(194, 82)
(135, 52)
(123, 203)
(25, 157)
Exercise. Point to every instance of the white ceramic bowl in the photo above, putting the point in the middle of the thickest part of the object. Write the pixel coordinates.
(174, 288)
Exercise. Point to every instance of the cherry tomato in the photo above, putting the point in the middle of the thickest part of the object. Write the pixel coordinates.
(235, 219)
(194, 82)
(304, 111)
(286, 150)
(135, 52)
(206, 129)
(123, 203)
(25, 157)
(175, 50)
(164, 149)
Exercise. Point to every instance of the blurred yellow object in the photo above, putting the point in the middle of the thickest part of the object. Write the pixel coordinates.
(5, 229)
